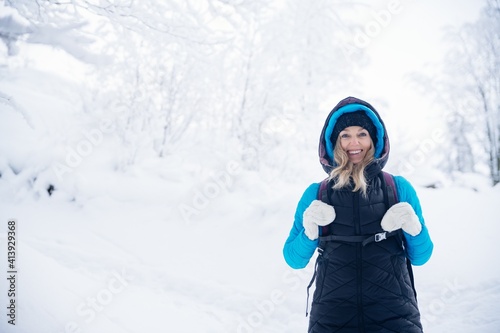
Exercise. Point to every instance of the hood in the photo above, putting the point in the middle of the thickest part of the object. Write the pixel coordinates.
(352, 104)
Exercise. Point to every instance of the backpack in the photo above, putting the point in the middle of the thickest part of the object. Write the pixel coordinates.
(391, 194)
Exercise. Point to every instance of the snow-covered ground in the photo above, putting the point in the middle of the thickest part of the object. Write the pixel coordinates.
(192, 242)
(160, 252)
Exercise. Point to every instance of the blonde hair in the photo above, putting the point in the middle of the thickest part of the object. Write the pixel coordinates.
(346, 170)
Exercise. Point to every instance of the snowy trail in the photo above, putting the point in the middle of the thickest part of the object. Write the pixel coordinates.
(114, 266)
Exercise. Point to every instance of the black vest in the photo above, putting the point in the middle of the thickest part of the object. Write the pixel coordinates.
(362, 288)
(357, 214)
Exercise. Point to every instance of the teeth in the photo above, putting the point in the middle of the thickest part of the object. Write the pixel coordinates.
(352, 152)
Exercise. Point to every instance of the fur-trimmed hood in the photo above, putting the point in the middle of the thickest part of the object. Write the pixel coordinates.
(352, 104)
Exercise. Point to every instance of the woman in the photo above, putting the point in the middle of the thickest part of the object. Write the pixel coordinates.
(361, 286)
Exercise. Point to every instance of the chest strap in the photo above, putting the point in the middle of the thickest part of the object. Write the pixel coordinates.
(363, 239)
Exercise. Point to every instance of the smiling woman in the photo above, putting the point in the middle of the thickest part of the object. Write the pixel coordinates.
(356, 142)
(366, 234)
(355, 135)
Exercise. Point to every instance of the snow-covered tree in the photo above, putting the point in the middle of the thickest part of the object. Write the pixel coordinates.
(476, 55)
(468, 90)
(236, 77)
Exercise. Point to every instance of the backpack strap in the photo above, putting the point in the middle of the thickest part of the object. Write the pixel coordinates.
(322, 195)
(322, 190)
(392, 193)
(392, 197)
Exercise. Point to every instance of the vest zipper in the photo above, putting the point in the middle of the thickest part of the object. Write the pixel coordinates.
(359, 262)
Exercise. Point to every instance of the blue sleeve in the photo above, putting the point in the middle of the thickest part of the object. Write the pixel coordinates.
(419, 248)
(298, 248)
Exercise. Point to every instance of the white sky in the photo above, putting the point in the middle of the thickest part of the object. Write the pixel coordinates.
(412, 42)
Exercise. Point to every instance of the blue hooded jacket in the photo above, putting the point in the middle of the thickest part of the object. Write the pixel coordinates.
(360, 288)
(298, 248)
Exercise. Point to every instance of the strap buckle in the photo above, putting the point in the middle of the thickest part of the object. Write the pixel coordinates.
(380, 236)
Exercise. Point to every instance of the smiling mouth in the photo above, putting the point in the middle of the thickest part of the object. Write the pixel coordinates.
(354, 152)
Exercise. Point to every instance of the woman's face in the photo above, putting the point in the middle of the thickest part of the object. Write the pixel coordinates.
(356, 142)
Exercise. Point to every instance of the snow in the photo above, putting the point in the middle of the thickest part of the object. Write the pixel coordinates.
(192, 242)
(122, 257)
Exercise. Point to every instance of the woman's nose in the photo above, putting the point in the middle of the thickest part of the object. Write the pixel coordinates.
(353, 140)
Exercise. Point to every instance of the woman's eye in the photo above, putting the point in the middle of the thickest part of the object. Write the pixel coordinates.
(344, 136)
(363, 134)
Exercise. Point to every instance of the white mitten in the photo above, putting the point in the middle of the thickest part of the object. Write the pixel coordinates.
(401, 216)
(317, 214)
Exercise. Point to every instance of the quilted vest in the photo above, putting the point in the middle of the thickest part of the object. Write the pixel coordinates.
(362, 287)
